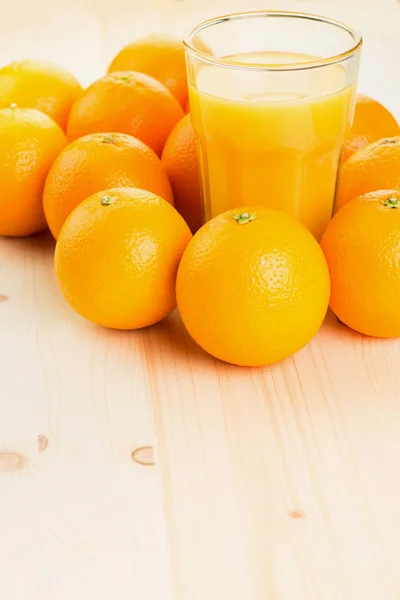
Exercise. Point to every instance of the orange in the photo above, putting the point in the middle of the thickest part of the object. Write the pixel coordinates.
(253, 286)
(158, 55)
(372, 121)
(41, 85)
(126, 102)
(374, 167)
(355, 142)
(361, 245)
(180, 162)
(117, 256)
(96, 162)
(29, 143)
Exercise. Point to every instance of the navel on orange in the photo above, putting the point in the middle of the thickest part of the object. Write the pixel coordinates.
(362, 248)
(39, 84)
(253, 286)
(117, 256)
(96, 162)
(29, 143)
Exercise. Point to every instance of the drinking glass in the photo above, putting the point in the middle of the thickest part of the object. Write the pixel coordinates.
(272, 98)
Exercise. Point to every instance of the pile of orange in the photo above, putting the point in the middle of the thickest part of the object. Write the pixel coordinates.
(61, 145)
(112, 171)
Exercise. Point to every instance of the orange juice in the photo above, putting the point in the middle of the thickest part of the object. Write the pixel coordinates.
(271, 137)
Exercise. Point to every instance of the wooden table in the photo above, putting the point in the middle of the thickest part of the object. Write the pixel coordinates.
(278, 484)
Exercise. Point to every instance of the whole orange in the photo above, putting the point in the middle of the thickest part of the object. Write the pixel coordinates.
(126, 102)
(253, 286)
(29, 143)
(41, 85)
(158, 55)
(117, 256)
(362, 247)
(180, 162)
(372, 121)
(374, 167)
(96, 162)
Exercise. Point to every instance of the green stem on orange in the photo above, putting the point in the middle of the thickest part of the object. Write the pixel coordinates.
(244, 218)
(107, 200)
(392, 202)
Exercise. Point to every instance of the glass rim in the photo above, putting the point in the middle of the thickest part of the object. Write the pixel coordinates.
(295, 66)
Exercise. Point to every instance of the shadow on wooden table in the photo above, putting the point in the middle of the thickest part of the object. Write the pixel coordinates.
(170, 338)
(169, 342)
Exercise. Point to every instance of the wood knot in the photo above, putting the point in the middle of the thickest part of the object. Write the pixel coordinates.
(12, 461)
(297, 514)
(3, 298)
(43, 442)
(144, 455)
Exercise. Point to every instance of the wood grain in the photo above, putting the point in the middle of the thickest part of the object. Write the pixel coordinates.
(278, 483)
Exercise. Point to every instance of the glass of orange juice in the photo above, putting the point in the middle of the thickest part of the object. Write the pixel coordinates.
(272, 98)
